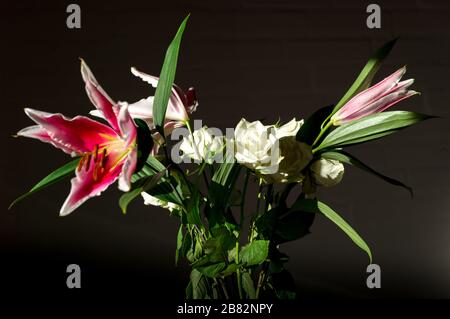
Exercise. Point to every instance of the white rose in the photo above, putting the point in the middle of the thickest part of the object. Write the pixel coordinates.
(296, 156)
(327, 172)
(273, 152)
(152, 200)
(202, 146)
(257, 146)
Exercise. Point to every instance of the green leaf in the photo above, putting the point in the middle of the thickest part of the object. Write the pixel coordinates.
(248, 285)
(55, 176)
(231, 269)
(315, 206)
(254, 253)
(212, 270)
(220, 190)
(144, 186)
(347, 158)
(198, 285)
(370, 128)
(151, 166)
(216, 249)
(195, 250)
(166, 79)
(367, 74)
(192, 211)
(218, 245)
(179, 244)
(167, 190)
(188, 291)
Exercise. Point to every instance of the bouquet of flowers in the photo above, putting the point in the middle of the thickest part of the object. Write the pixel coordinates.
(203, 179)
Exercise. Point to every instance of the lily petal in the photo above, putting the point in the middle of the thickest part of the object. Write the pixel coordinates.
(127, 171)
(127, 127)
(79, 134)
(381, 104)
(99, 97)
(39, 133)
(85, 186)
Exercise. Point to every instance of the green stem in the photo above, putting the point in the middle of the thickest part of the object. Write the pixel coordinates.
(326, 120)
(258, 200)
(238, 272)
(205, 178)
(268, 197)
(323, 131)
(188, 125)
(244, 193)
(261, 279)
(225, 292)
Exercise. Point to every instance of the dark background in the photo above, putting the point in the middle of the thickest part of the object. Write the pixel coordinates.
(253, 59)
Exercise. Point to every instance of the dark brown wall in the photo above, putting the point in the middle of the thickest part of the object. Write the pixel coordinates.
(253, 59)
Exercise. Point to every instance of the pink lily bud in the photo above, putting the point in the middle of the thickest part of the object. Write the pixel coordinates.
(375, 99)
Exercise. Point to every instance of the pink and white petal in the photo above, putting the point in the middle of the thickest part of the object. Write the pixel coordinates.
(401, 86)
(191, 100)
(84, 186)
(176, 111)
(79, 134)
(142, 109)
(155, 149)
(397, 98)
(150, 79)
(128, 129)
(169, 126)
(128, 170)
(96, 113)
(98, 96)
(37, 132)
(374, 92)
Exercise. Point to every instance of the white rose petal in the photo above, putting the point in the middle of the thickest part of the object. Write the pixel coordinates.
(289, 129)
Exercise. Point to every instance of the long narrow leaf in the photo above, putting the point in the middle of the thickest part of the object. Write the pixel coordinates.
(151, 167)
(55, 176)
(315, 206)
(166, 79)
(370, 127)
(347, 158)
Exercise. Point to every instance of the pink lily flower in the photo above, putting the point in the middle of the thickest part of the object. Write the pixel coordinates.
(375, 99)
(180, 105)
(107, 152)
